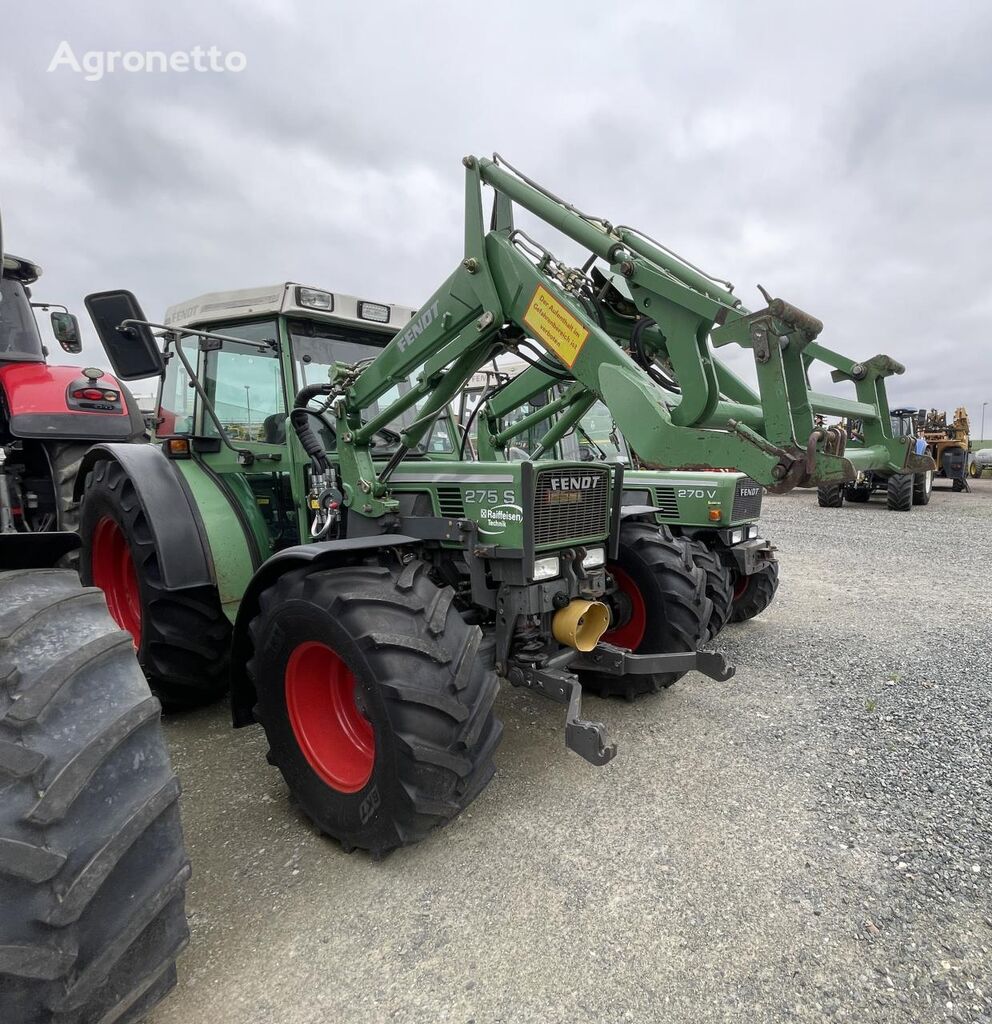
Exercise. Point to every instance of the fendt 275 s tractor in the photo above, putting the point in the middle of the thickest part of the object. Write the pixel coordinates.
(369, 592)
(92, 863)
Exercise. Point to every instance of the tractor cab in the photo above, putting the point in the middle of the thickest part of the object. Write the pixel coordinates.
(904, 422)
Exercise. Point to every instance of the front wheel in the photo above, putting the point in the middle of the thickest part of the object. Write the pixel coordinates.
(376, 698)
(719, 584)
(754, 593)
(830, 495)
(899, 492)
(659, 606)
(922, 487)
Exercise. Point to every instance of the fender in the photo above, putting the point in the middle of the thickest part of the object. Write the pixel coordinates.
(323, 555)
(37, 400)
(184, 554)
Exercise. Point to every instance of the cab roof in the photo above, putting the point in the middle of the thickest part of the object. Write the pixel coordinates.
(20, 269)
(292, 298)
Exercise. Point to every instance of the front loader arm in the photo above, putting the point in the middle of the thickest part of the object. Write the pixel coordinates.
(508, 288)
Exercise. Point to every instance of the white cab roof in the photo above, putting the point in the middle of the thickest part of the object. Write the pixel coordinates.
(222, 307)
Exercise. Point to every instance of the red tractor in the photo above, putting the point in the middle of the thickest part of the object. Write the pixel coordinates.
(49, 416)
(92, 864)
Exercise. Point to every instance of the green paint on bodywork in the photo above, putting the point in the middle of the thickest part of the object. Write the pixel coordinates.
(230, 554)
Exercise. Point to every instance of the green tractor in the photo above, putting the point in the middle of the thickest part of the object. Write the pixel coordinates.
(902, 490)
(307, 526)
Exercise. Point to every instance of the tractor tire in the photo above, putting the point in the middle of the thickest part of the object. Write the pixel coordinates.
(830, 495)
(719, 584)
(92, 865)
(754, 593)
(922, 487)
(182, 637)
(957, 484)
(899, 492)
(64, 459)
(661, 607)
(376, 698)
(859, 495)
(974, 470)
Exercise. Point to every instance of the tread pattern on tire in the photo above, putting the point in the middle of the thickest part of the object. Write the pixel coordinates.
(758, 595)
(669, 563)
(899, 492)
(93, 871)
(719, 584)
(830, 495)
(185, 637)
(434, 673)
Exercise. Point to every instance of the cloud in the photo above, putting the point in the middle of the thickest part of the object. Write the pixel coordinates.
(837, 154)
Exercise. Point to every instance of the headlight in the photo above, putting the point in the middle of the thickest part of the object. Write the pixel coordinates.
(374, 311)
(752, 531)
(736, 536)
(546, 568)
(312, 298)
(595, 557)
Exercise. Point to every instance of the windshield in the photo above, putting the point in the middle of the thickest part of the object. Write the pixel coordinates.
(19, 337)
(316, 347)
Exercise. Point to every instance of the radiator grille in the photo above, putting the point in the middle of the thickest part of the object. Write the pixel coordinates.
(571, 503)
(666, 502)
(449, 503)
(747, 505)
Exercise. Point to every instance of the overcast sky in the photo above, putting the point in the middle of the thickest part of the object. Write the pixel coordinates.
(839, 154)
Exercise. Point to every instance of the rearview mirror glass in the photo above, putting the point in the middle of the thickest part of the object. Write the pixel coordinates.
(66, 330)
(132, 349)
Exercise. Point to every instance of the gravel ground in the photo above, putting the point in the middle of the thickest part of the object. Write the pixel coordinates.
(809, 841)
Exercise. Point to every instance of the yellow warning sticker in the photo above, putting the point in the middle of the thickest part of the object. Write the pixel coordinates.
(553, 324)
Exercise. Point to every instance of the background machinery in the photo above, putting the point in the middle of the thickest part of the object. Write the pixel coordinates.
(367, 584)
(947, 444)
(92, 863)
(902, 490)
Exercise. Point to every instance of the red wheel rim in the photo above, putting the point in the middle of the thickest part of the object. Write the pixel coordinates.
(630, 633)
(114, 573)
(335, 737)
(740, 585)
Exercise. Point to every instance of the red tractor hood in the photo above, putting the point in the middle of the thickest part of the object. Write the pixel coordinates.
(38, 403)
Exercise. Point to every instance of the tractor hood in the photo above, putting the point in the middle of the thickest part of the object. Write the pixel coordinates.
(694, 499)
(41, 401)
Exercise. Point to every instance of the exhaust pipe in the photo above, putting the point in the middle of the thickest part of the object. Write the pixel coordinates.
(580, 624)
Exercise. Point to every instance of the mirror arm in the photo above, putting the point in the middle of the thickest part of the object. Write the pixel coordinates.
(245, 456)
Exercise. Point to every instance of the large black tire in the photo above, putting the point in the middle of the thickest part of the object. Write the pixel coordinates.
(830, 495)
(92, 866)
(719, 584)
(922, 487)
(401, 686)
(660, 607)
(899, 492)
(754, 593)
(64, 458)
(182, 636)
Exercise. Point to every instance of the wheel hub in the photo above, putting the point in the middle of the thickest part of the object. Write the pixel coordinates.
(113, 571)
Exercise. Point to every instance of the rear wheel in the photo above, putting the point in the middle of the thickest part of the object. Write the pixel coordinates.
(899, 492)
(92, 865)
(181, 637)
(754, 593)
(922, 487)
(719, 584)
(830, 495)
(64, 459)
(974, 470)
(376, 698)
(659, 606)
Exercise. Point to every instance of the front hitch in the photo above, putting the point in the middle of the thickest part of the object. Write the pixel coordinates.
(556, 680)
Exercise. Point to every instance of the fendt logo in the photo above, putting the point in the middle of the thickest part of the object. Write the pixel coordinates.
(575, 483)
(749, 492)
(410, 335)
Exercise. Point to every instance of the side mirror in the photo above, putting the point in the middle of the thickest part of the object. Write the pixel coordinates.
(66, 329)
(132, 350)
